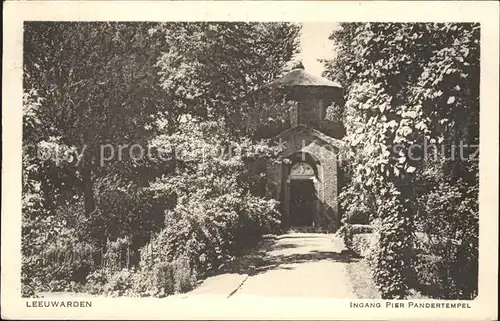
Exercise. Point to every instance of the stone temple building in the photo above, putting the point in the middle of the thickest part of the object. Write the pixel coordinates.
(306, 182)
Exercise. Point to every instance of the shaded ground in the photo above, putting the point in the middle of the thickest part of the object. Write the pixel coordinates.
(291, 265)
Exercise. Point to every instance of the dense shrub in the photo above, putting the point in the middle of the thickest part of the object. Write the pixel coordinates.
(163, 278)
(356, 208)
(108, 208)
(349, 231)
(124, 209)
(398, 102)
(361, 243)
(448, 242)
(211, 231)
(215, 215)
(430, 273)
(372, 253)
(206, 208)
(110, 282)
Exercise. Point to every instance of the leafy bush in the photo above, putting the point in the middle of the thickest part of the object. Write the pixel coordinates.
(448, 246)
(95, 281)
(372, 253)
(164, 278)
(210, 232)
(397, 100)
(113, 208)
(348, 231)
(357, 237)
(430, 274)
(116, 256)
(125, 210)
(357, 208)
(214, 215)
(361, 243)
(27, 290)
(110, 282)
(258, 216)
(119, 283)
(361, 228)
(184, 276)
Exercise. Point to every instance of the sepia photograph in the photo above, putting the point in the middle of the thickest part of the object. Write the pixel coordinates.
(178, 160)
(159, 155)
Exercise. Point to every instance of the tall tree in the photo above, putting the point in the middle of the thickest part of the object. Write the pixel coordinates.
(90, 85)
(99, 85)
(213, 70)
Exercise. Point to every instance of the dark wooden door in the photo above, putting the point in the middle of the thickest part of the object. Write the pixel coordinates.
(302, 202)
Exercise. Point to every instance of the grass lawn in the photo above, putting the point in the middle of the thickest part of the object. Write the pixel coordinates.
(363, 286)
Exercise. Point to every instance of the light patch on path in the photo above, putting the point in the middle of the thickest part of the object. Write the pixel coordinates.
(220, 285)
(293, 265)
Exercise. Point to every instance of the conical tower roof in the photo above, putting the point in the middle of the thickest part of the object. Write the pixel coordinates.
(300, 78)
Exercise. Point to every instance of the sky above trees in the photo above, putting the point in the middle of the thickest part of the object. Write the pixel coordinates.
(314, 45)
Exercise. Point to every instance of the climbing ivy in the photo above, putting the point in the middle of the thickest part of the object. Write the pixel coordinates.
(407, 85)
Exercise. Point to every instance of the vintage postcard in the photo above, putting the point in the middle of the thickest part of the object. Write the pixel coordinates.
(250, 160)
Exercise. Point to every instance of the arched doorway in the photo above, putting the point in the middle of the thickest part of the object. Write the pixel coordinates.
(302, 192)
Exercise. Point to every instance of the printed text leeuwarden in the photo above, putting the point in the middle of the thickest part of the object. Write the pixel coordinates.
(58, 304)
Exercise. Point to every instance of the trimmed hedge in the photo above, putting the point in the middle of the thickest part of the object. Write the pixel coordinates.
(357, 237)
(361, 243)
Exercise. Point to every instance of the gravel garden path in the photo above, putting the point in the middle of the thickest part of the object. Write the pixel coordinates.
(290, 265)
